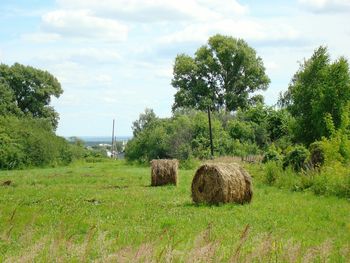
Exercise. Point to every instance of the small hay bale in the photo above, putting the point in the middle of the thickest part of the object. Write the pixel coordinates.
(221, 183)
(164, 172)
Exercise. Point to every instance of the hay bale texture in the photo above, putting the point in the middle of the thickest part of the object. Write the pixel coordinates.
(164, 172)
(221, 183)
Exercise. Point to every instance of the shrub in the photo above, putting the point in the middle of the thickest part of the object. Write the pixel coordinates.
(272, 172)
(333, 180)
(271, 155)
(296, 158)
(240, 130)
(28, 142)
(317, 154)
(189, 163)
(11, 153)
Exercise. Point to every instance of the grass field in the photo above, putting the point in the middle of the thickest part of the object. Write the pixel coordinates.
(107, 212)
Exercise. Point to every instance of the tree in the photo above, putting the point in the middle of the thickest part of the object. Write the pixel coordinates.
(278, 123)
(32, 90)
(150, 143)
(7, 101)
(144, 120)
(318, 95)
(222, 74)
(241, 130)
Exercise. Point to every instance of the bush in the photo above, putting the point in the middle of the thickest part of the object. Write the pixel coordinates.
(330, 151)
(271, 155)
(189, 164)
(333, 180)
(11, 153)
(240, 130)
(296, 158)
(272, 172)
(317, 154)
(30, 142)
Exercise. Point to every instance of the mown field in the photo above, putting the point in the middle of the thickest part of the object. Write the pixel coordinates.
(107, 212)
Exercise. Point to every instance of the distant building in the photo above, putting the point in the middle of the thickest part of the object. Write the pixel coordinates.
(104, 145)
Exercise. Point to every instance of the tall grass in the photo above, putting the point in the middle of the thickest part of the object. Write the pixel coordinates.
(98, 247)
(332, 180)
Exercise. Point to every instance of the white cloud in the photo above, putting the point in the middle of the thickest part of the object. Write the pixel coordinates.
(104, 78)
(40, 37)
(83, 24)
(251, 30)
(79, 76)
(326, 6)
(160, 69)
(271, 66)
(80, 55)
(95, 55)
(165, 72)
(157, 10)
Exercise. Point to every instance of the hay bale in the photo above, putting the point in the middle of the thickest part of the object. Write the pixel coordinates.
(164, 172)
(221, 183)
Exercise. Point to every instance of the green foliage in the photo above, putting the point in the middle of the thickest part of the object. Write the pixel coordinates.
(186, 136)
(77, 150)
(11, 152)
(7, 100)
(278, 124)
(272, 155)
(296, 158)
(150, 143)
(268, 125)
(189, 164)
(257, 114)
(333, 180)
(330, 179)
(181, 131)
(336, 148)
(317, 154)
(272, 171)
(221, 74)
(29, 142)
(236, 148)
(317, 96)
(28, 91)
(242, 131)
(144, 120)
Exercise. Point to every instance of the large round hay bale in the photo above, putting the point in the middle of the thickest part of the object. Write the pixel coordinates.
(221, 183)
(164, 171)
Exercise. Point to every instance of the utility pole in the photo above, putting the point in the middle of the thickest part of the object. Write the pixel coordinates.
(210, 135)
(112, 150)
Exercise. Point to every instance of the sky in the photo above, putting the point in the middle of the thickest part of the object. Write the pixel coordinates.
(114, 58)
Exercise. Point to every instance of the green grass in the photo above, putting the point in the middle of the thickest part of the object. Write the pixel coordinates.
(107, 212)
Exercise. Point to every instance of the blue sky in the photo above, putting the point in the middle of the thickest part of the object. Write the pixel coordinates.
(114, 58)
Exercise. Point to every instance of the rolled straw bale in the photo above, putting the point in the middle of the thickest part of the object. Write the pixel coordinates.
(221, 183)
(164, 171)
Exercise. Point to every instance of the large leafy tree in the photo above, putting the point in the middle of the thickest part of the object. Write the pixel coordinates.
(221, 74)
(31, 90)
(7, 101)
(318, 96)
(144, 120)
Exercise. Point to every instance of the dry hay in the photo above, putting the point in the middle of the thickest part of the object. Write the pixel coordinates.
(6, 183)
(164, 172)
(216, 183)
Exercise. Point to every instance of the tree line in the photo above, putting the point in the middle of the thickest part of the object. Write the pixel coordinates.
(311, 117)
